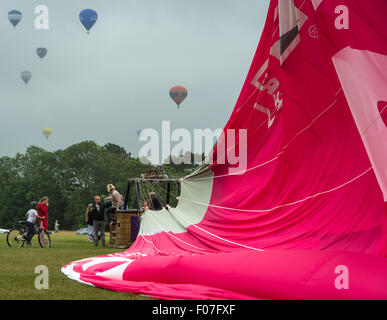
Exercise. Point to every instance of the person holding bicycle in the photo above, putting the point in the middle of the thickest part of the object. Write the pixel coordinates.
(32, 215)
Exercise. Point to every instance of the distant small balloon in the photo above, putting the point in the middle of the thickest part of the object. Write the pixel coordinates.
(14, 16)
(88, 18)
(178, 94)
(26, 76)
(47, 132)
(41, 52)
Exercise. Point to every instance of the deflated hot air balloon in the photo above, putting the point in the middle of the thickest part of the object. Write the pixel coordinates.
(47, 132)
(88, 18)
(14, 16)
(178, 94)
(26, 76)
(41, 52)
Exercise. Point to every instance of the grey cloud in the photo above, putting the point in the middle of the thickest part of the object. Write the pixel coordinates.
(107, 85)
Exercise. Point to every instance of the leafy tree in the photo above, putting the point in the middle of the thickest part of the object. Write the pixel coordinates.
(70, 178)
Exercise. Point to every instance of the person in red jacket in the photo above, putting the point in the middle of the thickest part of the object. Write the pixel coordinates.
(43, 212)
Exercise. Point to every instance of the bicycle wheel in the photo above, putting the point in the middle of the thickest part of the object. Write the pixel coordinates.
(44, 239)
(16, 238)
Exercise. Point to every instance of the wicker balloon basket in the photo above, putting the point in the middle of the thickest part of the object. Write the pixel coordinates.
(124, 230)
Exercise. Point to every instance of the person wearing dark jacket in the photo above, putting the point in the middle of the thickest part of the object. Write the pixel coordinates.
(155, 202)
(98, 215)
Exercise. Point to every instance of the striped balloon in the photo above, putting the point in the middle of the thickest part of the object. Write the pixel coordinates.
(14, 16)
(178, 94)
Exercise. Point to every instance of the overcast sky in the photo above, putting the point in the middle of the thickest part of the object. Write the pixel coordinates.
(107, 85)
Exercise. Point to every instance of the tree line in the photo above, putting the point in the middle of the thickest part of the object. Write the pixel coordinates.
(70, 178)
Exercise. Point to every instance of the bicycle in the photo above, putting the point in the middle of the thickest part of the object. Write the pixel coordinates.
(17, 237)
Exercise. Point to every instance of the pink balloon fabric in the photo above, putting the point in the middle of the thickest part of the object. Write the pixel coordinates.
(307, 217)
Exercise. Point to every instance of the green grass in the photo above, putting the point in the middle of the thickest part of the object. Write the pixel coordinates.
(17, 266)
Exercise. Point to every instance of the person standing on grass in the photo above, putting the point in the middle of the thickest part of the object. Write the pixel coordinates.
(43, 212)
(32, 215)
(89, 221)
(98, 215)
(107, 203)
(57, 226)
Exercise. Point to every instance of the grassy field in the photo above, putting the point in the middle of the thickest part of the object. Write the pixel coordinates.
(17, 267)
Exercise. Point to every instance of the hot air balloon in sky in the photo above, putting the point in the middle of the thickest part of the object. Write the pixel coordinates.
(88, 18)
(14, 16)
(178, 94)
(41, 52)
(26, 76)
(47, 132)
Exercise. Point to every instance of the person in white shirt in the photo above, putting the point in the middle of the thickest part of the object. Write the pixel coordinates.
(57, 226)
(32, 215)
